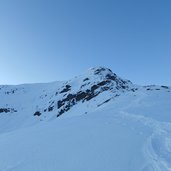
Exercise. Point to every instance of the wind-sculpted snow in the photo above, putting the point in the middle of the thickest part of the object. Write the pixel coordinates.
(95, 121)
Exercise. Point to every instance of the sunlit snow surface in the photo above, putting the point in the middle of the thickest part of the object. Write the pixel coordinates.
(129, 133)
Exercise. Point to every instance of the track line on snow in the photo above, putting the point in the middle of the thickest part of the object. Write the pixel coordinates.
(158, 145)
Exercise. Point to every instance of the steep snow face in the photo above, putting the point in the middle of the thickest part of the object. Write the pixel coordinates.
(29, 104)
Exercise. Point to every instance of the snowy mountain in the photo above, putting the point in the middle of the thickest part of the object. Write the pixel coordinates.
(95, 121)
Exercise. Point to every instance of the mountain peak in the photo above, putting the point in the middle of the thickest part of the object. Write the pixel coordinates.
(103, 71)
(100, 69)
(92, 89)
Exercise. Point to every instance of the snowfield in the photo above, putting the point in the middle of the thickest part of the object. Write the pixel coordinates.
(106, 124)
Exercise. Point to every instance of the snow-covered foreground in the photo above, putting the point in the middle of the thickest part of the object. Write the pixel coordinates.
(94, 122)
(130, 133)
(95, 142)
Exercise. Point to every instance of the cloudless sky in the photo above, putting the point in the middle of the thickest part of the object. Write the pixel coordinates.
(48, 40)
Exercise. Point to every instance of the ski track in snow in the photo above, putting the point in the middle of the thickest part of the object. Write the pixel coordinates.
(158, 145)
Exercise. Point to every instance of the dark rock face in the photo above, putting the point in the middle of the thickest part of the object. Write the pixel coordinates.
(166, 87)
(50, 108)
(10, 92)
(37, 113)
(72, 99)
(153, 88)
(86, 79)
(93, 88)
(7, 110)
(104, 102)
(66, 89)
(100, 70)
(111, 77)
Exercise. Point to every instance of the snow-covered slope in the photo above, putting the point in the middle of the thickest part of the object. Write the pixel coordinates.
(29, 104)
(96, 121)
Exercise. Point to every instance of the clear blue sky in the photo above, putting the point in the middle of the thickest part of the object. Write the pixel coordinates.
(47, 40)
